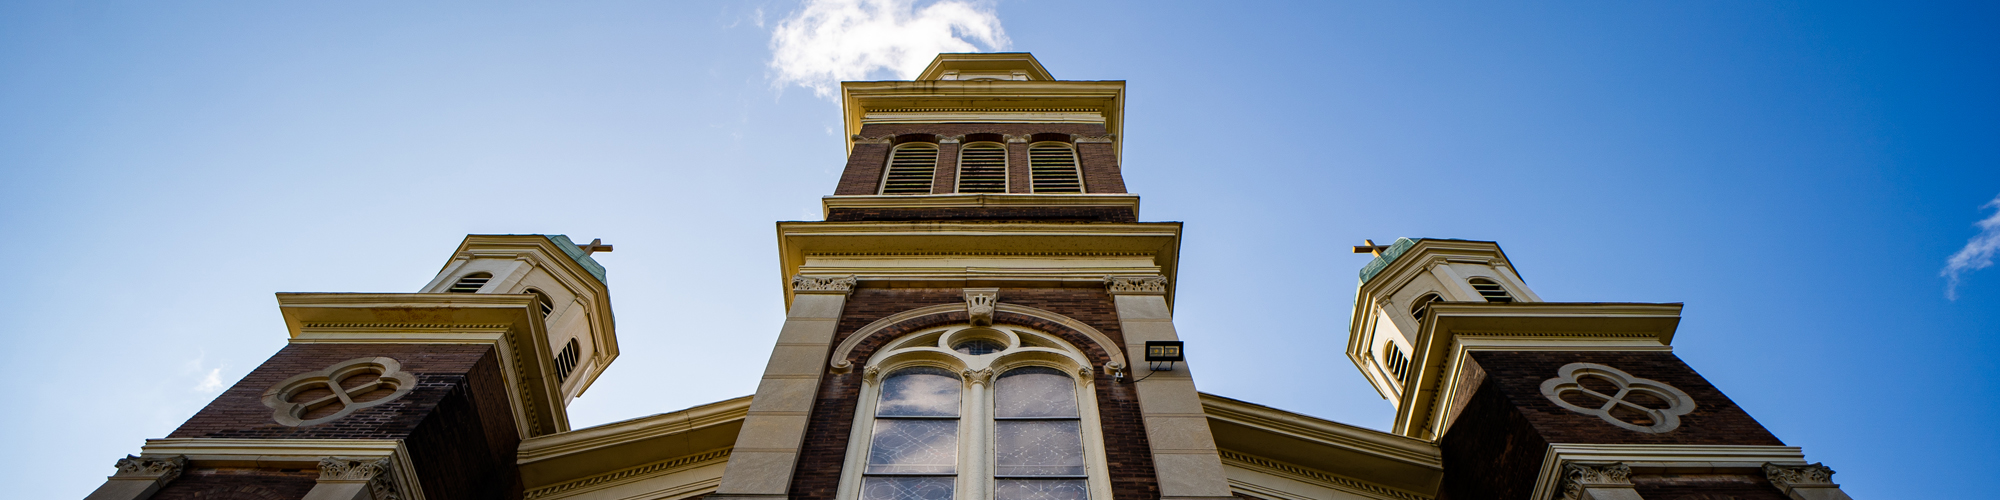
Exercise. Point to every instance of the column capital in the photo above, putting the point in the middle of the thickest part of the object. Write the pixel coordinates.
(1578, 477)
(858, 139)
(1805, 482)
(340, 475)
(160, 469)
(1136, 285)
(823, 284)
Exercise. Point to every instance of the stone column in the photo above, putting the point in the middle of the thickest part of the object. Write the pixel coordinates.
(1805, 482)
(138, 478)
(1184, 456)
(1598, 482)
(767, 449)
(354, 479)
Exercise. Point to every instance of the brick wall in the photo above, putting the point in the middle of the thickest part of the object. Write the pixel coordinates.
(1491, 451)
(1130, 457)
(1098, 161)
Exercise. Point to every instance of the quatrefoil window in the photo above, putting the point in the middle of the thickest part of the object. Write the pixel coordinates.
(1634, 403)
(323, 396)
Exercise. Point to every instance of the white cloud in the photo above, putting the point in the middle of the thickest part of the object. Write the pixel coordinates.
(1977, 254)
(828, 41)
(210, 383)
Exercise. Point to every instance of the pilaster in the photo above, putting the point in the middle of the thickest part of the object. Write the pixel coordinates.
(1184, 454)
(354, 478)
(1805, 482)
(1598, 482)
(767, 449)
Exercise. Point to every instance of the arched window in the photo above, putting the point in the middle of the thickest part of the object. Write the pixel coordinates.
(912, 166)
(1492, 291)
(1423, 306)
(936, 423)
(1052, 166)
(982, 168)
(1399, 364)
(542, 303)
(471, 283)
(566, 360)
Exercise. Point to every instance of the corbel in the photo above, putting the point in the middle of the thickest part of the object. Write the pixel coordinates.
(979, 303)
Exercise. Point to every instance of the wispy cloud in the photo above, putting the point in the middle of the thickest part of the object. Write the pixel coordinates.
(828, 41)
(210, 383)
(1977, 254)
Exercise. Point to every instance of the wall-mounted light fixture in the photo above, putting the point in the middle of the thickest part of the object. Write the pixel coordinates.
(1162, 354)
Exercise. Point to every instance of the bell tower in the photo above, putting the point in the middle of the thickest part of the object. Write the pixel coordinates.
(1537, 400)
(979, 241)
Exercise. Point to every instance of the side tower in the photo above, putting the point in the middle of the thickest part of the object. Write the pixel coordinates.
(960, 326)
(400, 395)
(1541, 400)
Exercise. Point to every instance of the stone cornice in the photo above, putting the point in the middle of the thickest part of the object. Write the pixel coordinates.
(628, 431)
(1118, 200)
(1312, 476)
(1380, 445)
(626, 475)
(294, 454)
(1102, 100)
(1158, 240)
(1661, 458)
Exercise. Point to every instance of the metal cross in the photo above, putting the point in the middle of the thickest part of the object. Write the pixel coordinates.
(1371, 247)
(595, 245)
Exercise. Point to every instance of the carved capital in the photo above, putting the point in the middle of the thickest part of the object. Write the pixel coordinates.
(982, 376)
(1579, 476)
(823, 284)
(979, 303)
(872, 374)
(352, 469)
(1081, 139)
(951, 139)
(1136, 285)
(162, 469)
(858, 139)
(1787, 477)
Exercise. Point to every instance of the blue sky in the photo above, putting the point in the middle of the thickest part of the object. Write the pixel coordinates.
(1799, 174)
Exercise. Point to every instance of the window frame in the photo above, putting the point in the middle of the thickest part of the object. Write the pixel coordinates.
(933, 347)
(1006, 167)
(889, 165)
(1075, 164)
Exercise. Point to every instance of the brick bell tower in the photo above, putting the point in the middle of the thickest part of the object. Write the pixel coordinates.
(412, 396)
(963, 323)
(1553, 400)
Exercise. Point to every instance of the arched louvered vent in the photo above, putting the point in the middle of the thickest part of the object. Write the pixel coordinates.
(1423, 306)
(542, 303)
(1052, 165)
(982, 168)
(1493, 292)
(911, 168)
(1399, 364)
(471, 283)
(566, 360)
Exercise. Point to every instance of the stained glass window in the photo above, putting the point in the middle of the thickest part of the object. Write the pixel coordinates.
(1037, 437)
(913, 454)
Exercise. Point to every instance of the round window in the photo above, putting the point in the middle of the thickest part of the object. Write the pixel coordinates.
(978, 347)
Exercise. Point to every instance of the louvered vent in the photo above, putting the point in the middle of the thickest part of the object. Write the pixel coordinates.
(542, 303)
(1053, 167)
(911, 168)
(982, 168)
(1399, 364)
(1423, 307)
(471, 283)
(1492, 291)
(566, 361)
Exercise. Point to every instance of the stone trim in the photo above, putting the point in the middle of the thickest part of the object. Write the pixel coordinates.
(1658, 457)
(622, 476)
(299, 453)
(161, 469)
(823, 284)
(1115, 357)
(375, 474)
(1578, 477)
(1311, 476)
(979, 304)
(1805, 482)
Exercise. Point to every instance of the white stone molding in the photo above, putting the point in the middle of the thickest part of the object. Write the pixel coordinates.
(396, 472)
(1664, 419)
(138, 478)
(1658, 459)
(951, 140)
(1586, 481)
(823, 284)
(1136, 285)
(983, 376)
(1805, 482)
(1080, 139)
(979, 304)
(1017, 139)
(858, 139)
(388, 373)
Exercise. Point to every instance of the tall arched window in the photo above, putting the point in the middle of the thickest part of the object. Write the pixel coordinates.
(982, 168)
(1491, 290)
(976, 413)
(542, 303)
(470, 283)
(912, 166)
(1052, 166)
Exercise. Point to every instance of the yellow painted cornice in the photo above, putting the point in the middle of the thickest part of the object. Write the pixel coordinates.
(1116, 200)
(1104, 99)
(1354, 452)
(1159, 241)
(559, 457)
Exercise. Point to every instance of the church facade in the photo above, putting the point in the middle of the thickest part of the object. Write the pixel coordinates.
(982, 315)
